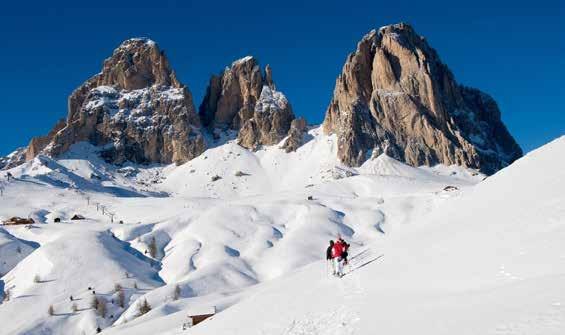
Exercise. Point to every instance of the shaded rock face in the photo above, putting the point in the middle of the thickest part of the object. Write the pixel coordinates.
(135, 108)
(394, 95)
(244, 99)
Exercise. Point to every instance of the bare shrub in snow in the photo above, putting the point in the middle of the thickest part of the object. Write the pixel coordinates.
(121, 299)
(176, 293)
(6, 296)
(153, 247)
(101, 308)
(143, 308)
(94, 303)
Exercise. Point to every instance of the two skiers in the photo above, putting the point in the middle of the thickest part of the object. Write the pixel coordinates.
(337, 253)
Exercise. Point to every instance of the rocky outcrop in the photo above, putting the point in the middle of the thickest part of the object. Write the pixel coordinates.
(394, 95)
(13, 159)
(136, 64)
(270, 121)
(296, 134)
(37, 144)
(135, 108)
(244, 99)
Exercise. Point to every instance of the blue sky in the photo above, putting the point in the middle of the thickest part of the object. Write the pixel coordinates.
(510, 50)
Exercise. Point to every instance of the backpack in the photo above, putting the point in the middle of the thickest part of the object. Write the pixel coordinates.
(337, 250)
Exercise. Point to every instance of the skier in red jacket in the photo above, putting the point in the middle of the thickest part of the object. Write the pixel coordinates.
(337, 255)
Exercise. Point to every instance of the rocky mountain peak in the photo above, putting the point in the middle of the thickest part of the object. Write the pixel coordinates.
(395, 95)
(135, 64)
(231, 93)
(135, 107)
(244, 98)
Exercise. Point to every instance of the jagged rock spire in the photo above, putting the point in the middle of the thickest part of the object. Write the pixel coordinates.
(242, 98)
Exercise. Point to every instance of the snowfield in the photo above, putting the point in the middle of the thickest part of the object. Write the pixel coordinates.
(245, 233)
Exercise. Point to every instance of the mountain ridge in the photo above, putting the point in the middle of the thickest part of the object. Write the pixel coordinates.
(394, 95)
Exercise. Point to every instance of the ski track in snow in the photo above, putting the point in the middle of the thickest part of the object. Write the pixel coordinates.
(339, 322)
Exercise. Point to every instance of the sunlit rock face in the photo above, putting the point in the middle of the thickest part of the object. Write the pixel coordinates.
(135, 109)
(394, 95)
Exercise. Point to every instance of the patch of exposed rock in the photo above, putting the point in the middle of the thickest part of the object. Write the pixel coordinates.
(37, 144)
(295, 135)
(13, 159)
(242, 98)
(394, 95)
(135, 108)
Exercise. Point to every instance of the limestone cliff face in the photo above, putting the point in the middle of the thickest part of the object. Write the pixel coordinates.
(394, 95)
(135, 108)
(244, 99)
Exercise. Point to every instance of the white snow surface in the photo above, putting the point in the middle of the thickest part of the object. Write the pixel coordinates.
(242, 60)
(235, 231)
(270, 100)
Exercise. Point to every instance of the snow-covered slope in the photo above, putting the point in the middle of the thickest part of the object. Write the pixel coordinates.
(493, 262)
(12, 251)
(235, 229)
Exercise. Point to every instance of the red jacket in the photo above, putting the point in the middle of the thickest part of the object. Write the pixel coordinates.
(338, 249)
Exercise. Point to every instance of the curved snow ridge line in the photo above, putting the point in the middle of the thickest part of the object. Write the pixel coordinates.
(136, 253)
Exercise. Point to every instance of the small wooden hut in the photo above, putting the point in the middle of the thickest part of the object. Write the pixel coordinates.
(197, 316)
(16, 220)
